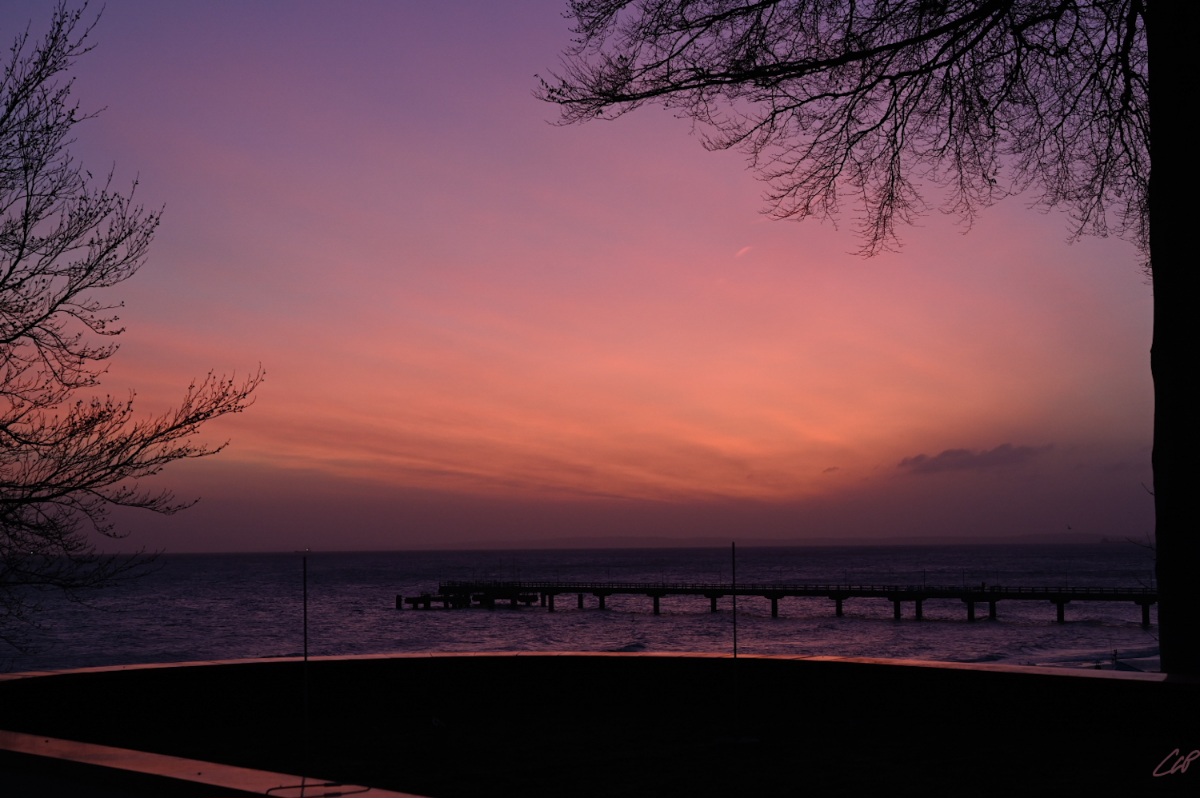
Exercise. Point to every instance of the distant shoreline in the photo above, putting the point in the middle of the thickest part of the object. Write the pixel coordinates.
(661, 543)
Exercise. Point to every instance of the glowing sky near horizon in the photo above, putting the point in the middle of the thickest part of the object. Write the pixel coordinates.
(478, 326)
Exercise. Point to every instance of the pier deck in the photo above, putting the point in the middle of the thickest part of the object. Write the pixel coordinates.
(487, 593)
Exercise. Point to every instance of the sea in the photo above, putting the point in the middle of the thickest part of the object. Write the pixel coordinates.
(204, 607)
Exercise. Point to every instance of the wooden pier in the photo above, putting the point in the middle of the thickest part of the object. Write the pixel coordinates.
(476, 593)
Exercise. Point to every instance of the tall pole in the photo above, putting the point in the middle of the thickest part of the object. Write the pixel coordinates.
(733, 710)
(733, 557)
(304, 561)
(304, 775)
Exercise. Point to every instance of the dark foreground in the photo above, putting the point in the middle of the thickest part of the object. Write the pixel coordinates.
(545, 725)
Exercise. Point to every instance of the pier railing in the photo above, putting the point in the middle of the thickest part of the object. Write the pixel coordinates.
(458, 594)
(759, 588)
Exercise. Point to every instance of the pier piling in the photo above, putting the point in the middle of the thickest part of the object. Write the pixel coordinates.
(1061, 605)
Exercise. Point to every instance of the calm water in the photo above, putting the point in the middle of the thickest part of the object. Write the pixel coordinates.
(200, 607)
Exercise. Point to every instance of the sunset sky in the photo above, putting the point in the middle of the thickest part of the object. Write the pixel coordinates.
(480, 328)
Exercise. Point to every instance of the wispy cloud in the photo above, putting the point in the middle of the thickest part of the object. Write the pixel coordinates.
(1005, 454)
(563, 323)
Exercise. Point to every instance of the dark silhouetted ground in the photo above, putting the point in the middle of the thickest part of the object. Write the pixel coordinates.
(544, 725)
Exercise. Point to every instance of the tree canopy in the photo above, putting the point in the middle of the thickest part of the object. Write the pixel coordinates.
(886, 103)
(68, 456)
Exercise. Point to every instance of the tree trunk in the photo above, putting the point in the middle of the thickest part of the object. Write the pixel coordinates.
(1173, 183)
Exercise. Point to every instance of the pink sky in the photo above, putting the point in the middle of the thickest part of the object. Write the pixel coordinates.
(479, 327)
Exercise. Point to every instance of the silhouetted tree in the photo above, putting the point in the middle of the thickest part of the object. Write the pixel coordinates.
(67, 458)
(898, 106)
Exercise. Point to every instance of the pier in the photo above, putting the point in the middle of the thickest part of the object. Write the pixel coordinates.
(489, 593)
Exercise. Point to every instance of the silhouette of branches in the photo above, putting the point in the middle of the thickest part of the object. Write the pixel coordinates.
(67, 460)
(883, 102)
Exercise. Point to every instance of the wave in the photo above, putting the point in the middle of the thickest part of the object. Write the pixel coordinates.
(630, 648)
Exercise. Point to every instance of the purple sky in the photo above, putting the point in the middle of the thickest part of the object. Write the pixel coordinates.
(482, 328)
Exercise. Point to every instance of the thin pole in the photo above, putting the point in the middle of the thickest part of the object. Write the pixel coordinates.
(304, 775)
(304, 560)
(733, 558)
(733, 710)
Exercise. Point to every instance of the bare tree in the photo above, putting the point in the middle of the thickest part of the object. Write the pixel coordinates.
(67, 458)
(894, 107)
